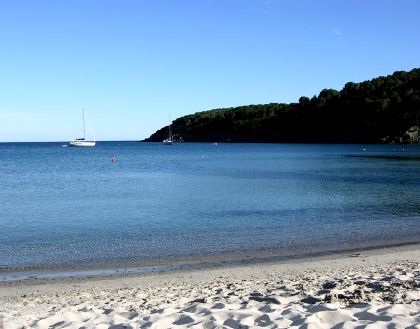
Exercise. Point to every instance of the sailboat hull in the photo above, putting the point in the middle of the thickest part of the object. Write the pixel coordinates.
(79, 143)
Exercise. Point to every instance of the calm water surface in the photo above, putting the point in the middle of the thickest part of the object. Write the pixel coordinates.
(74, 206)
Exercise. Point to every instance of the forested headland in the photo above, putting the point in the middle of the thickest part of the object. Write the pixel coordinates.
(381, 110)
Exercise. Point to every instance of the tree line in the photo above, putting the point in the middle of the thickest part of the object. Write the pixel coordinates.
(381, 110)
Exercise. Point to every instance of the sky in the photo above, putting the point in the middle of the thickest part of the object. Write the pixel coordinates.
(134, 65)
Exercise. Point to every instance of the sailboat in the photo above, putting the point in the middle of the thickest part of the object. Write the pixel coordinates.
(170, 139)
(82, 142)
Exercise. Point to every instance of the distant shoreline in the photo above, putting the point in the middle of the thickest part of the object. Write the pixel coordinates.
(211, 142)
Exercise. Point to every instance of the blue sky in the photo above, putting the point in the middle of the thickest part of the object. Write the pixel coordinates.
(134, 64)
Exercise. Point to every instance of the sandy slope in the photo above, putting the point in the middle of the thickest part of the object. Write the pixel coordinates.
(375, 289)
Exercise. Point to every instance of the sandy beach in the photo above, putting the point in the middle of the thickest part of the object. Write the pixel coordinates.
(372, 289)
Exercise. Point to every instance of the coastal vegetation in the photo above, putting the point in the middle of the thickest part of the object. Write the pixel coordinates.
(381, 110)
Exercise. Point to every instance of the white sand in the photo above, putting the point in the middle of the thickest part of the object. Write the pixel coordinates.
(377, 289)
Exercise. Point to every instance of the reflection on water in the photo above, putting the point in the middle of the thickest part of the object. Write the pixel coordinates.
(390, 157)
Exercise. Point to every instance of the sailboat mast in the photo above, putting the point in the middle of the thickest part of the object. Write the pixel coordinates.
(84, 128)
(170, 128)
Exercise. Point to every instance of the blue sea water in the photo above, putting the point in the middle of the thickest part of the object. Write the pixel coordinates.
(72, 206)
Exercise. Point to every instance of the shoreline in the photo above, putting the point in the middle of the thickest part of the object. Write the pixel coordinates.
(226, 260)
(389, 253)
(341, 291)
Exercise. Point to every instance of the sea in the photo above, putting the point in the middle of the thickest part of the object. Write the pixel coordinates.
(131, 206)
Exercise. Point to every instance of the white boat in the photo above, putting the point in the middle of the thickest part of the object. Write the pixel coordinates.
(82, 142)
(170, 139)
